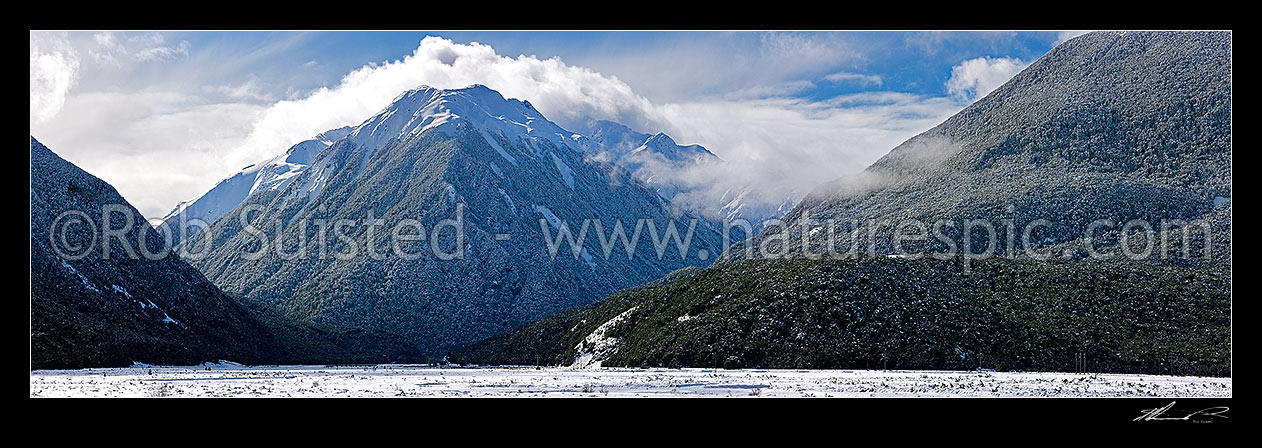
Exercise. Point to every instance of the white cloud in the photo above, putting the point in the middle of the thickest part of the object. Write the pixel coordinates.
(157, 148)
(54, 71)
(107, 46)
(768, 91)
(716, 64)
(565, 93)
(786, 147)
(975, 78)
(857, 78)
(160, 52)
(119, 50)
(787, 53)
(250, 90)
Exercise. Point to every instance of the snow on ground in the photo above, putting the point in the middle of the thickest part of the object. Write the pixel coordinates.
(232, 380)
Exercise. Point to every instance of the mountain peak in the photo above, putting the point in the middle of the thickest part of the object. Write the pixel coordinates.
(665, 146)
(660, 140)
(475, 94)
(424, 108)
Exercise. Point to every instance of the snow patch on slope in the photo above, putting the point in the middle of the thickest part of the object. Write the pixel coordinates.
(587, 258)
(86, 283)
(598, 346)
(553, 220)
(566, 173)
(499, 149)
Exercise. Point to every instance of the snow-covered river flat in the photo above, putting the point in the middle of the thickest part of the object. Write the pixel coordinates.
(228, 380)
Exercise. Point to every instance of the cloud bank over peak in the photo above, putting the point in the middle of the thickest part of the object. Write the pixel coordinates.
(566, 94)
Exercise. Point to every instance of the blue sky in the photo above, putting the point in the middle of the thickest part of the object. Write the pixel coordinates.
(164, 115)
(914, 62)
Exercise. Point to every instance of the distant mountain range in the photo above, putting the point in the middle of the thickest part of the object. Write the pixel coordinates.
(1107, 126)
(671, 169)
(645, 155)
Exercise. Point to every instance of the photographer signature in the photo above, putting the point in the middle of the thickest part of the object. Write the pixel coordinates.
(1158, 414)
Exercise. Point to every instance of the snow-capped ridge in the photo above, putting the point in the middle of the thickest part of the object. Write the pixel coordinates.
(662, 144)
(424, 108)
(273, 174)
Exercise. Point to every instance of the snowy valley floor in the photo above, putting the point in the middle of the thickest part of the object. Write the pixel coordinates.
(228, 380)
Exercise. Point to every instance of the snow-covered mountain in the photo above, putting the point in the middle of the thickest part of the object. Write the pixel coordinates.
(1108, 125)
(684, 174)
(271, 174)
(654, 158)
(615, 139)
(498, 166)
(89, 310)
(632, 149)
(661, 145)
